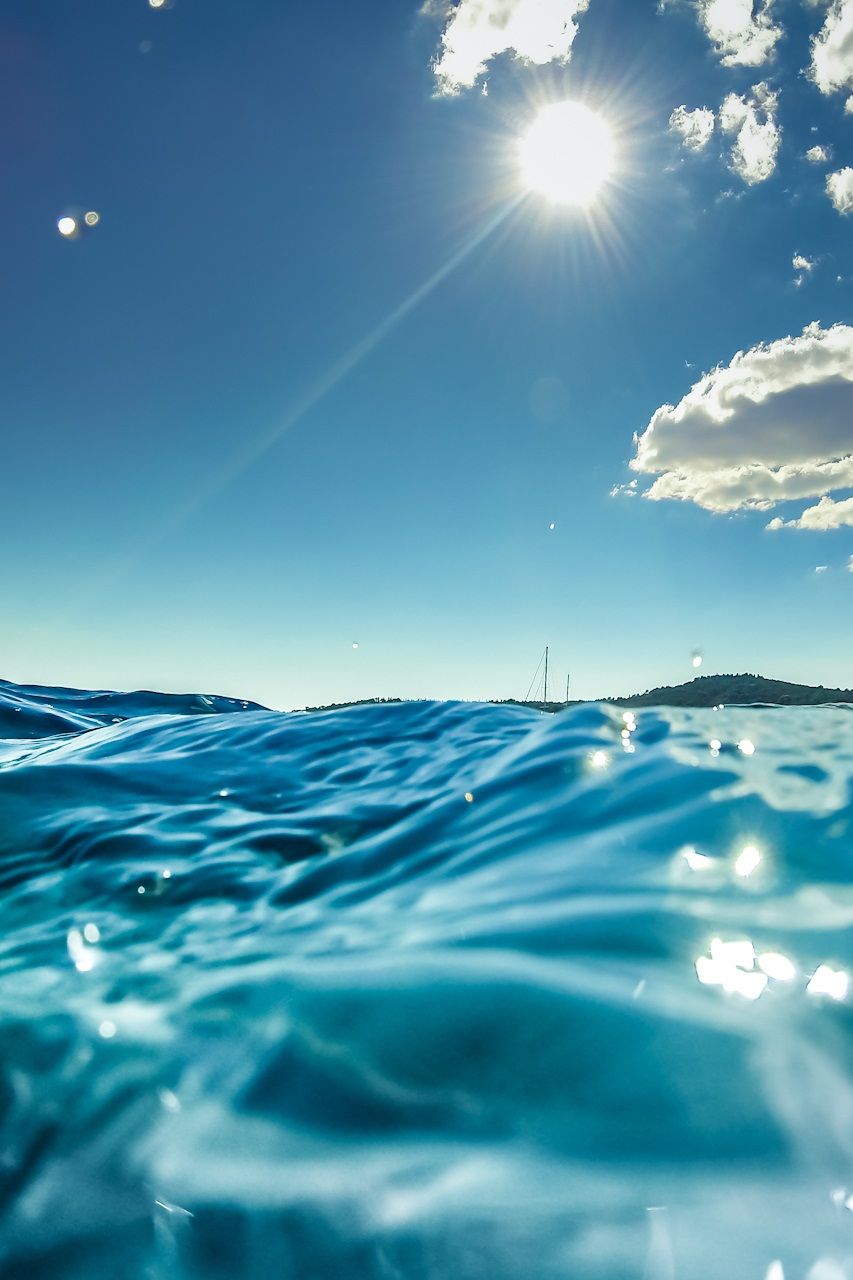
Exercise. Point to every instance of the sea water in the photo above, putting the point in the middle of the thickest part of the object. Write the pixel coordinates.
(428, 991)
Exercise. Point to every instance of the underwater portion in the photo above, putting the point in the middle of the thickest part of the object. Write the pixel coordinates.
(423, 991)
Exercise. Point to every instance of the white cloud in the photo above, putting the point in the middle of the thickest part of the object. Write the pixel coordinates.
(695, 128)
(802, 266)
(839, 188)
(773, 425)
(850, 564)
(818, 154)
(821, 568)
(534, 31)
(742, 31)
(826, 514)
(757, 135)
(832, 49)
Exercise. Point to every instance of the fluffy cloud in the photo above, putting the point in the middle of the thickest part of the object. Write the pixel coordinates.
(476, 31)
(757, 135)
(695, 128)
(774, 424)
(802, 266)
(832, 49)
(742, 31)
(818, 154)
(839, 188)
(826, 514)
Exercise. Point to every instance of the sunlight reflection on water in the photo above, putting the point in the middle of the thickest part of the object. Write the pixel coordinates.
(278, 996)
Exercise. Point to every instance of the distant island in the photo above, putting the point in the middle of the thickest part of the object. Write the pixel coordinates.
(704, 691)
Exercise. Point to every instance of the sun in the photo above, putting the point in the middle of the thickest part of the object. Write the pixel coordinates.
(567, 153)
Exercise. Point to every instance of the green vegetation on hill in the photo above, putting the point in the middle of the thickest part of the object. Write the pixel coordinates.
(710, 691)
(714, 691)
(704, 691)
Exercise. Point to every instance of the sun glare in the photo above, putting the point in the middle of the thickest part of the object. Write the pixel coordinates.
(567, 154)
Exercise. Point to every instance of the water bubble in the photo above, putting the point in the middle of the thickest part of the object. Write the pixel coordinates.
(107, 1029)
(92, 218)
(167, 875)
(599, 759)
(746, 747)
(715, 745)
(91, 933)
(355, 644)
(224, 793)
(141, 889)
(469, 796)
(169, 1101)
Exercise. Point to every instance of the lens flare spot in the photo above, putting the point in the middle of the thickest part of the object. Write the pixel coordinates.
(67, 227)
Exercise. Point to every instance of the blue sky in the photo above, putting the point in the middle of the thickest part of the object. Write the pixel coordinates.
(222, 468)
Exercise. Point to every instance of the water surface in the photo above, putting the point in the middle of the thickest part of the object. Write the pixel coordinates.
(411, 991)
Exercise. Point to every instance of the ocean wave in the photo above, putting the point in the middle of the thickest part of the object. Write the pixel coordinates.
(423, 990)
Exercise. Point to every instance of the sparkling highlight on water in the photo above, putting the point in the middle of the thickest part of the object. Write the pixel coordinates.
(460, 970)
(747, 861)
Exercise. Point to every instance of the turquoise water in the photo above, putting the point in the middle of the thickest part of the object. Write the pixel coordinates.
(414, 991)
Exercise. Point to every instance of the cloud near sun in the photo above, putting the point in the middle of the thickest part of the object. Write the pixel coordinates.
(534, 31)
(775, 424)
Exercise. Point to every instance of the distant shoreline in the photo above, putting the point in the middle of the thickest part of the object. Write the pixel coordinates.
(703, 691)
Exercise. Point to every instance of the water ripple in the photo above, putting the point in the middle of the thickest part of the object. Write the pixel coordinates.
(424, 990)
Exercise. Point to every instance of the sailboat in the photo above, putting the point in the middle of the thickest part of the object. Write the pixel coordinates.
(540, 681)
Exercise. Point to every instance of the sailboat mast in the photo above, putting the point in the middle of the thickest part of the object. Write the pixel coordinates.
(567, 686)
(546, 673)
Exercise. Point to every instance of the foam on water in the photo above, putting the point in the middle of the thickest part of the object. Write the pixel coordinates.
(438, 992)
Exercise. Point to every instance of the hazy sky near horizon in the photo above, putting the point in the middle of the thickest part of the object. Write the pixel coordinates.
(328, 372)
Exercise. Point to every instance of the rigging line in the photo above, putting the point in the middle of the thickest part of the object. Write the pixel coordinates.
(533, 681)
(241, 460)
